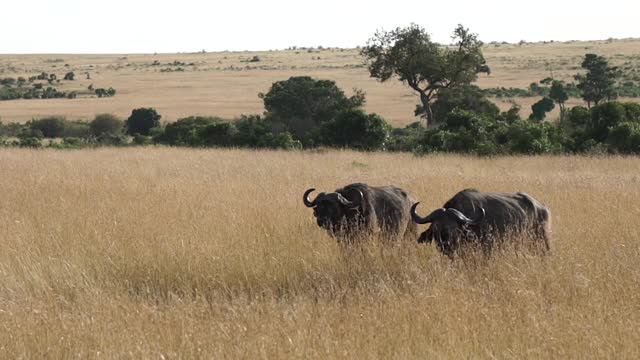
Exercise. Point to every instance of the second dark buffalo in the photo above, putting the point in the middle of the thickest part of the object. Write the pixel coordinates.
(472, 217)
(360, 210)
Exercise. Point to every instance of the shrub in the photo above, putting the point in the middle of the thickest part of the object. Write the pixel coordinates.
(106, 124)
(76, 129)
(468, 97)
(141, 139)
(28, 132)
(283, 141)
(405, 139)
(527, 137)
(604, 117)
(218, 134)
(11, 129)
(51, 127)
(185, 131)
(111, 139)
(624, 138)
(142, 120)
(251, 131)
(356, 129)
(31, 142)
(464, 131)
(70, 76)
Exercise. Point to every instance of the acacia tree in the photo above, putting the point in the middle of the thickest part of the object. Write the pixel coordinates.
(425, 66)
(598, 83)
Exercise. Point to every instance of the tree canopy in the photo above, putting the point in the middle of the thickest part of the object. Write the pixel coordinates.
(425, 66)
(599, 82)
(302, 103)
(142, 120)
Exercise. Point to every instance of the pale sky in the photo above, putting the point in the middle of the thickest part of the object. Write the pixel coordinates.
(145, 26)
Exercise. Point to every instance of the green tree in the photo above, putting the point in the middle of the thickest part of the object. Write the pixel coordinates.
(540, 109)
(559, 95)
(142, 120)
(106, 124)
(425, 66)
(301, 103)
(599, 82)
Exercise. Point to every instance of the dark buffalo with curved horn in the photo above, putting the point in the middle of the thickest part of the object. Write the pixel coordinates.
(359, 209)
(473, 217)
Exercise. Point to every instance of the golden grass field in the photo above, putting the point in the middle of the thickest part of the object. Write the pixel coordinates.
(165, 253)
(226, 85)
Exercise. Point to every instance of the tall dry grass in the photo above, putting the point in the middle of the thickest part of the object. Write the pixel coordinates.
(151, 253)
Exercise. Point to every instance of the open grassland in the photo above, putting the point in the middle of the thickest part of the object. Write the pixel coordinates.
(152, 252)
(226, 84)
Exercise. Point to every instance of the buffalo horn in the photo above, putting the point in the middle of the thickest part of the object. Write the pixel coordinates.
(354, 203)
(305, 198)
(429, 218)
(462, 218)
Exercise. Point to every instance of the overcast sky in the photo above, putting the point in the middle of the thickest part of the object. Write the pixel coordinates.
(144, 26)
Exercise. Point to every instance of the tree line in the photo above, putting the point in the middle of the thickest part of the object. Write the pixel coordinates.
(35, 87)
(303, 112)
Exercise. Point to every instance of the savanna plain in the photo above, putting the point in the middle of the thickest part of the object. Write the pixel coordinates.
(191, 253)
(227, 84)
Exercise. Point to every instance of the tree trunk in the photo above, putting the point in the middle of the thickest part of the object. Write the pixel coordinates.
(426, 105)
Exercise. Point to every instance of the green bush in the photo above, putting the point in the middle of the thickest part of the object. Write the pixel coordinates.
(185, 131)
(624, 138)
(356, 129)
(11, 129)
(112, 140)
(76, 129)
(218, 134)
(141, 139)
(405, 139)
(72, 141)
(527, 137)
(467, 97)
(30, 142)
(51, 127)
(252, 131)
(466, 132)
(106, 124)
(604, 117)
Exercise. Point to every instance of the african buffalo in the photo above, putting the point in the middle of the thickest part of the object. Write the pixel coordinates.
(360, 210)
(474, 217)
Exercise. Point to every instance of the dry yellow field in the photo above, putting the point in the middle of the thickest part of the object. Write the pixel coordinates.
(165, 253)
(226, 85)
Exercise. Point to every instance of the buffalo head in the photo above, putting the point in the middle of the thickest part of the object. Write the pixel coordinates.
(448, 227)
(333, 210)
